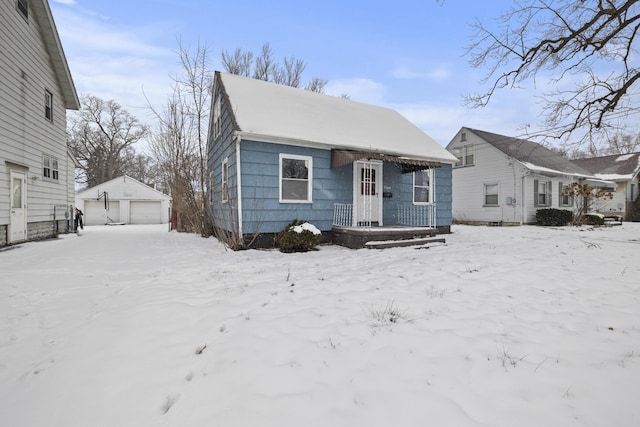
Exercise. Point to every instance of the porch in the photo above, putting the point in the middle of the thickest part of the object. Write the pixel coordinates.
(414, 225)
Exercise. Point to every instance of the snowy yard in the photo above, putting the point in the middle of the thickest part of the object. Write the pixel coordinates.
(135, 326)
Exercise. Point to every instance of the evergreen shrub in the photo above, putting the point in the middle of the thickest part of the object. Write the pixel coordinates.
(298, 236)
(553, 217)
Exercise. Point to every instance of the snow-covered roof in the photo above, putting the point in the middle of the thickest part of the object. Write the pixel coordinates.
(532, 155)
(276, 113)
(617, 167)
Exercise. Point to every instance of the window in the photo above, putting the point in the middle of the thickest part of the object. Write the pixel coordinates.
(565, 198)
(23, 8)
(463, 136)
(465, 155)
(541, 193)
(422, 187)
(48, 105)
(491, 195)
(50, 168)
(295, 178)
(217, 127)
(225, 180)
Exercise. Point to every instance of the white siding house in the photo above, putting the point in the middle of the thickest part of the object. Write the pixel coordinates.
(123, 200)
(36, 89)
(503, 180)
(624, 171)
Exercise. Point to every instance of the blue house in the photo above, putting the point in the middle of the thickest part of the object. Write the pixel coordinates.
(357, 172)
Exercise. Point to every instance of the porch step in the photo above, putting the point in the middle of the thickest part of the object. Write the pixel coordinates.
(385, 244)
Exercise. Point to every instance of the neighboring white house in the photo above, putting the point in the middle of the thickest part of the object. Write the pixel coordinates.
(36, 90)
(123, 200)
(624, 170)
(504, 180)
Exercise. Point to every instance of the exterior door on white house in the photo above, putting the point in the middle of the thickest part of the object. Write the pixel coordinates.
(18, 214)
(367, 192)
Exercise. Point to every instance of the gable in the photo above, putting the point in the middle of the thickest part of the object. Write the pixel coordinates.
(123, 188)
(532, 155)
(275, 113)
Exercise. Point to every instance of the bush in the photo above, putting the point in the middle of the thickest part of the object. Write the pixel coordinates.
(553, 217)
(594, 219)
(298, 236)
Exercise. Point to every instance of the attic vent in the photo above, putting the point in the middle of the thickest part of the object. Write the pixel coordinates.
(23, 8)
(463, 136)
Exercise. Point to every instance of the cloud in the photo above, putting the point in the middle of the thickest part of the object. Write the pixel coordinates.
(439, 73)
(116, 62)
(358, 89)
(67, 2)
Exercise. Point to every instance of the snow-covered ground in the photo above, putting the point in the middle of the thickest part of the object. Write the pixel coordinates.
(136, 326)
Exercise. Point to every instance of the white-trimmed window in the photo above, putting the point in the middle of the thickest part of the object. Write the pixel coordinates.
(296, 176)
(23, 8)
(217, 121)
(225, 180)
(491, 194)
(422, 187)
(466, 155)
(566, 200)
(48, 105)
(541, 193)
(50, 168)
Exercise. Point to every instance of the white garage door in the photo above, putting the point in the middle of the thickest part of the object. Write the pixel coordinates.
(94, 212)
(147, 212)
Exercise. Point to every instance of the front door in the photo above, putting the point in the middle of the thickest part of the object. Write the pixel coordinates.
(18, 215)
(367, 192)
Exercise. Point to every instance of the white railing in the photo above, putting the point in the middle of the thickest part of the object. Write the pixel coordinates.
(409, 215)
(342, 215)
(417, 215)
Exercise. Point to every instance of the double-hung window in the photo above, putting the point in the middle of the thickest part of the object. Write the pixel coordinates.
(50, 168)
(296, 176)
(541, 193)
(225, 180)
(48, 105)
(422, 191)
(491, 194)
(566, 200)
(466, 155)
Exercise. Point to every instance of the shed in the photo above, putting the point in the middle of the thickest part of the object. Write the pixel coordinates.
(123, 200)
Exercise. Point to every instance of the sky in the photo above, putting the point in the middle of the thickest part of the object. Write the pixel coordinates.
(408, 55)
(133, 326)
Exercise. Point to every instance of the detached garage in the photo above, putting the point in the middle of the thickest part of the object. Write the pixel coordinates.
(123, 200)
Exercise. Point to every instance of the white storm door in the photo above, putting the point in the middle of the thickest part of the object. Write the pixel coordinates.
(367, 187)
(18, 214)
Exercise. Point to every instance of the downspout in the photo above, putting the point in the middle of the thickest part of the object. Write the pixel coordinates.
(524, 199)
(238, 138)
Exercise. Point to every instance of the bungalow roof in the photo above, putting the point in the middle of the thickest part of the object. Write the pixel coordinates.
(282, 114)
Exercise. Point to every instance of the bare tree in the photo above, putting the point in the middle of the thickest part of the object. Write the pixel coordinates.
(265, 67)
(238, 63)
(179, 142)
(590, 41)
(101, 136)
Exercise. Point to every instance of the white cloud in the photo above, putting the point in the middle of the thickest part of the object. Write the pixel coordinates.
(67, 2)
(439, 72)
(358, 89)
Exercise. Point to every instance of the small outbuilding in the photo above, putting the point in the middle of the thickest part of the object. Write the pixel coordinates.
(123, 200)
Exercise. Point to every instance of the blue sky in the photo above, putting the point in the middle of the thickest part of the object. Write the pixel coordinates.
(405, 55)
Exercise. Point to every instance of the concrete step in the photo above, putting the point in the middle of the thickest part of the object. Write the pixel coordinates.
(385, 244)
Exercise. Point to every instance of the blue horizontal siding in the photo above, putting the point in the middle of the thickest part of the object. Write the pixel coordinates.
(262, 211)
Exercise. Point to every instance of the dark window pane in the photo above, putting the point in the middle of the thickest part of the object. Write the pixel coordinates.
(295, 190)
(295, 168)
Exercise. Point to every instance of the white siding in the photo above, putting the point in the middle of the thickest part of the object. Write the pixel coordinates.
(25, 73)
(134, 200)
(490, 166)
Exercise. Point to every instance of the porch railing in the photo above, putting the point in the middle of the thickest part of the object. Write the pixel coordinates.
(409, 215)
(417, 215)
(342, 214)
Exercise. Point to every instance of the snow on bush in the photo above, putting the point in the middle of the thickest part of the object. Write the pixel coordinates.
(298, 236)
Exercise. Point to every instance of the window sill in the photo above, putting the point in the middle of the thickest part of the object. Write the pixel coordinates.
(296, 201)
(490, 206)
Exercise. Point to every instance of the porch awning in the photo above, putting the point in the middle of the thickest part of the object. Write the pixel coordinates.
(344, 157)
